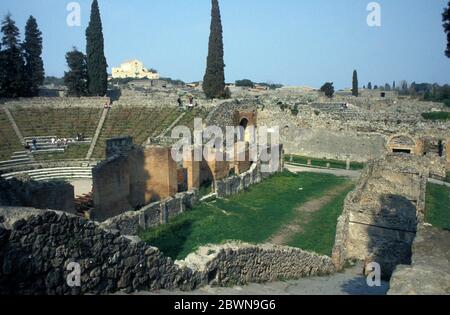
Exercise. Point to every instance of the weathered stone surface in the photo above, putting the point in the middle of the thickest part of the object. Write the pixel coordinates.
(381, 215)
(36, 250)
(429, 273)
(57, 195)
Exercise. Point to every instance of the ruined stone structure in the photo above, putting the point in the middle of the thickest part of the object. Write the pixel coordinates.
(42, 195)
(429, 273)
(380, 217)
(162, 169)
(110, 262)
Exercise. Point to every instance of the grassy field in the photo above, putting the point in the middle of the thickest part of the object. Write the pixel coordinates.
(323, 163)
(252, 216)
(438, 206)
(437, 116)
(319, 232)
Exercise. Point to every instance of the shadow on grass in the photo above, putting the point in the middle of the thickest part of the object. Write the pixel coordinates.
(171, 240)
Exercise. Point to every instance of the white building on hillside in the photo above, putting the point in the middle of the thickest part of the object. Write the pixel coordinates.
(134, 69)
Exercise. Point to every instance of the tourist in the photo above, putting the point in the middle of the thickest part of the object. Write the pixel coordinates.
(180, 102)
(191, 102)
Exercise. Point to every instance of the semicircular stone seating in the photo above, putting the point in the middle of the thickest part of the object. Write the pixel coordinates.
(54, 173)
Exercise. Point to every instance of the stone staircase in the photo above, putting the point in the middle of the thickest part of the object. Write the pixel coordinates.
(19, 158)
(97, 133)
(44, 144)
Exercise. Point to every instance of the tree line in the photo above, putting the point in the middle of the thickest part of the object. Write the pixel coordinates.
(21, 65)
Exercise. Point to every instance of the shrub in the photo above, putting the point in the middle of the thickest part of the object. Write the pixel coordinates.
(437, 116)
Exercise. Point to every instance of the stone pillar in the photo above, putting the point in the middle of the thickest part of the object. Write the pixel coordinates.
(162, 170)
(193, 170)
(348, 165)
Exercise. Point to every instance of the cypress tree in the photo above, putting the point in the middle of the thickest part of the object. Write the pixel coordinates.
(96, 61)
(446, 25)
(76, 79)
(214, 79)
(12, 60)
(355, 91)
(34, 66)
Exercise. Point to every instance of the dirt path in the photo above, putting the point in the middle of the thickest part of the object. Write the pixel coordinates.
(287, 232)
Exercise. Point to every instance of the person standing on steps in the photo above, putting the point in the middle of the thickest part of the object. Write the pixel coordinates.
(34, 144)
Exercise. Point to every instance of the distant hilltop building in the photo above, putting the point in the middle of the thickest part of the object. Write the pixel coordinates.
(134, 69)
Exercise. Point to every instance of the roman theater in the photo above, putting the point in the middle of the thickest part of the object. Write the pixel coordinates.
(352, 186)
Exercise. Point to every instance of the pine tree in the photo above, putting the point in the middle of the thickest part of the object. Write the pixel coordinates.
(96, 61)
(393, 86)
(355, 91)
(76, 79)
(328, 89)
(34, 66)
(12, 60)
(446, 25)
(214, 79)
(369, 85)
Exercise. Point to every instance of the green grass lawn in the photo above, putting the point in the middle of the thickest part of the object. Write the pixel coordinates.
(438, 206)
(437, 116)
(319, 233)
(251, 216)
(322, 162)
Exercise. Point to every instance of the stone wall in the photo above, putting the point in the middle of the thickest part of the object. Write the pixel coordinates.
(240, 263)
(237, 183)
(118, 146)
(111, 188)
(380, 216)
(56, 195)
(162, 173)
(447, 152)
(152, 215)
(37, 247)
(429, 273)
(324, 143)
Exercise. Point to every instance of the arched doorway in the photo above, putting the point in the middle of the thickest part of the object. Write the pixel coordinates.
(242, 131)
(402, 144)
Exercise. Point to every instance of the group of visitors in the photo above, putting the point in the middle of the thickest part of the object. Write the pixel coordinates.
(33, 146)
(190, 105)
(80, 137)
(59, 142)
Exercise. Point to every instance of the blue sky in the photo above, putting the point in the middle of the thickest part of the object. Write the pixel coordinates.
(294, 42)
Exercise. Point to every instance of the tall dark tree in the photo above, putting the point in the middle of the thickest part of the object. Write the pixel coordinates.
(393, 86)
(355, 91)
(328, 89)
(76, 79)
(34, 67)
(446, 25)
(11, 76)
(95, 53)
(369, 85)
(214, 79)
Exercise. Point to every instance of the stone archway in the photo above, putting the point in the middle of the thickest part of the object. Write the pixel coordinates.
(402, 143)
